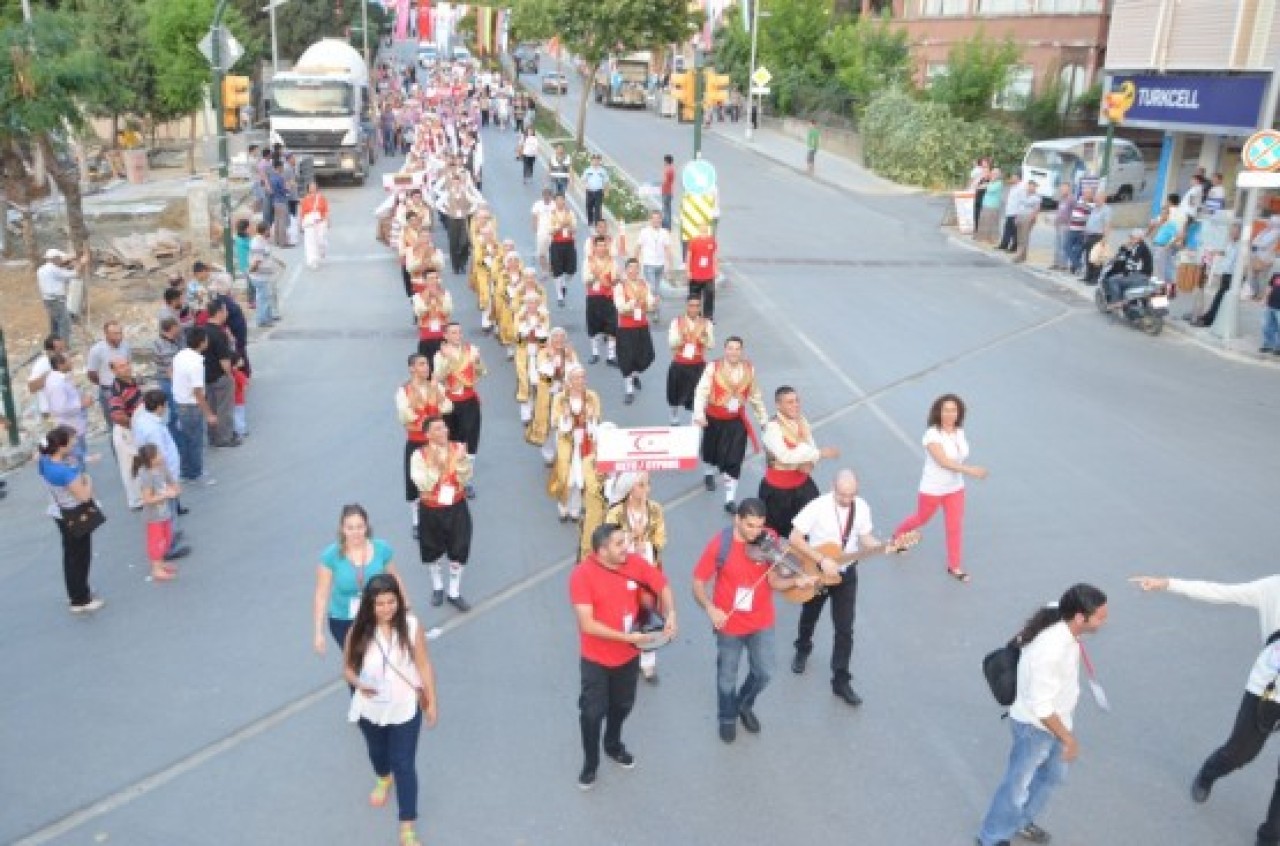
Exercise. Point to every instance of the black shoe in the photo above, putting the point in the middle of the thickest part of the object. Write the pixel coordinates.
(415, 533)
(183, 511)
(710, 481)
(594, 358)
(977, 841)
(622, 757)
(586, 779)
(177, 536)
(460, 603)
(799, 662)
(628, 399)
(1033, 833)
(1200, 790)
(437, 597)
(611, 362)
(470, 491)
(845, 691)
(175, 554)
(728, 732)
(636, 381)
(749, 720)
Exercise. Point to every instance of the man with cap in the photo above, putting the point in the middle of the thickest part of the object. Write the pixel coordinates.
(1132, 259)
(53, 277)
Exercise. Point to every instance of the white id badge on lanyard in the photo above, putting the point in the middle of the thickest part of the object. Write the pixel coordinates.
(445, 494)
(732, 406)
(434, 325)
(689, 351)
(742, 599)
(1099, 695)
(353, 606)
(638, 314)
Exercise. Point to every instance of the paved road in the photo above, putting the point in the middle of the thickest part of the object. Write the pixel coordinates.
(195, 712)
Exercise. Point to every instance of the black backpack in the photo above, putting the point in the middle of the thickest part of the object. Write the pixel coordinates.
(1001, 670)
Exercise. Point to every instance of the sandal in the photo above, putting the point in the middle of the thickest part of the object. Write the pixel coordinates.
(381, 787)
(163, 575)
(958, 575)
(409, 837)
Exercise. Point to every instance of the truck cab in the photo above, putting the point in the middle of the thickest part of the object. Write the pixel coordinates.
(322, 110)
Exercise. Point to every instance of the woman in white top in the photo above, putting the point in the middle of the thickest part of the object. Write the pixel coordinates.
(386, 662)
(942, 483)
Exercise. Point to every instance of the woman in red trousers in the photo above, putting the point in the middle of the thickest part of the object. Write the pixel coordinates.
(942, 483)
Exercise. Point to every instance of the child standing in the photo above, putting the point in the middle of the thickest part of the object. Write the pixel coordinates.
(159, 490)
(239, 414)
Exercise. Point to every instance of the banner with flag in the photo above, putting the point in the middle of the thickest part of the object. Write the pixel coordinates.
(746, 16)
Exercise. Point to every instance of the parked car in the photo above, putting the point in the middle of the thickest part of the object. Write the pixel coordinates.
(428, 54)
(1052, 162)
(554, 82)
(526, 58)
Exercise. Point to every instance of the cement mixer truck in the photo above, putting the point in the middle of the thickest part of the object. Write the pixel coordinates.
(321, 109)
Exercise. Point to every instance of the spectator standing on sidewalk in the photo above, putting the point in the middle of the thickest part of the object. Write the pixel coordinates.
(1096, 230)
(595, 182)
(811, 139)
(62, 471)
(979, 176)
(1075, 231)
(124, 400)
(278, 194)
(668, 189)
(191, 405)
(1224, 265)
(39, 374)
(68, 407)
(1027, 212)
(1044, 742)
(264, 271)
(98, 364)
(988, 225)
(219, 358)
(1062, 228)
(1271, 319)
(1014, 195)
(54, 278)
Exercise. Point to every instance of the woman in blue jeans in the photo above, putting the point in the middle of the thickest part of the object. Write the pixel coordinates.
(387, 665)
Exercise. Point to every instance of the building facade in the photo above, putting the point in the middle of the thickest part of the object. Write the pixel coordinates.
(1062, 40)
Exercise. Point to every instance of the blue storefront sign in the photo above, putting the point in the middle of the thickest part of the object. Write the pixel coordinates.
(1216, 105)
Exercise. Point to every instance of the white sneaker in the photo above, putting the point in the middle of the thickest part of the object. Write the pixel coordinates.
(92, 605)
(208, 481)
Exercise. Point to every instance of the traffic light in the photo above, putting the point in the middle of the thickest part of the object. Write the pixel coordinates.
(235, 93)
(682, 89)
(715, 88)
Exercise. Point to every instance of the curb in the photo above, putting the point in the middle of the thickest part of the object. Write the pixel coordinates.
(1205, 340)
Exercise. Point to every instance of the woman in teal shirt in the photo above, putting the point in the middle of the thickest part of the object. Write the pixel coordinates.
(242, 243)
(992, 208)
(344, 569)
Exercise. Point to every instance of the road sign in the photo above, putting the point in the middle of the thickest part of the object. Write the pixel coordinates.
(762, 77)
(760, 90)
(230, 48)
(655, 448)
(1262, 151)
(1258, 179)
(698, 177)
(695, 210)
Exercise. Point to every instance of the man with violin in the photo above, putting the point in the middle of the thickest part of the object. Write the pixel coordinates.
(613, 593)
(835, 523)
(740, 606)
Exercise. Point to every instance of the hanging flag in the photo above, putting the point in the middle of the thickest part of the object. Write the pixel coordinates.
(424, 20)
(746, 16)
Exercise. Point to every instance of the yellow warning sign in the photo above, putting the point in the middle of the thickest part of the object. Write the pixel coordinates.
(695, 210)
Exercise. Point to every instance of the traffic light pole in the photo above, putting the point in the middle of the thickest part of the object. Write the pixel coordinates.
(699, 90)
(224, 164)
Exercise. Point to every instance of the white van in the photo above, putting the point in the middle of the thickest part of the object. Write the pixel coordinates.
(1050, 163)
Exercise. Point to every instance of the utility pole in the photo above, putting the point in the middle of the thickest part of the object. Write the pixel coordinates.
(364, 27)
(755, 29)
(699, 89)
(224, 165)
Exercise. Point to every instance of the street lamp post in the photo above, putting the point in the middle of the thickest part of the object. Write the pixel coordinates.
(224, 164)
(270, 9)
(755, 35)
(364, 23)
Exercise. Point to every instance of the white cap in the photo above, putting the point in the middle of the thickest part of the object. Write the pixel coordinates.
(52, 254)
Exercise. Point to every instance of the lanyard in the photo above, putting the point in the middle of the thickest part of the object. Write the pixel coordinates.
(847, 528)
(1088, 665)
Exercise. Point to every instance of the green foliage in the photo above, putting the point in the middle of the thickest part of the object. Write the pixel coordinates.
(1043, 115)
(117, 29)
(48, 73)
(173, 33)
(923, 143)
(591, 30)
(1089, 102)
(301, 23)
(868, 55)
(733, 49)
(977, 69)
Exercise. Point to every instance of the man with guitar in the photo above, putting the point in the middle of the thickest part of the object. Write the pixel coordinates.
(835, 523)
(609, 590)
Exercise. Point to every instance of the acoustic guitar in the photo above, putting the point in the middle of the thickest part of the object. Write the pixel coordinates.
(809, 565)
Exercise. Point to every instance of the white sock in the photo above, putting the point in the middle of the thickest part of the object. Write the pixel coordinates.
(730, 488)
(455, 579)
(413, 512)
(437, 577)
(675, 414)
(526, 412)
(613, 347)
(562, 286)
(595, 345)
(628, 384)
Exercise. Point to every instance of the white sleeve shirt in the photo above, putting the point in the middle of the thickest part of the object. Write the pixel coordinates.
(1262, 595)
(1048, 678)
(823, 522)
(188, 374)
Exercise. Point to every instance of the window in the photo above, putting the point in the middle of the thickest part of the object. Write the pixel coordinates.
(1018, 91)
(936, 8)
(1005, 7)
(1068, 7)
(932, 71)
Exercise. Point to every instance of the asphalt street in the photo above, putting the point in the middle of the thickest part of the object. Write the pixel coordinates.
(196, 713)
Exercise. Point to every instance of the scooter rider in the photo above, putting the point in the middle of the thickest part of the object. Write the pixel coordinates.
(1132, 259)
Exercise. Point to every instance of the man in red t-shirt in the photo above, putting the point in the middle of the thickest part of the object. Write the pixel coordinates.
(703, 268)
(740, 606)
(605, 589)
(668, 188)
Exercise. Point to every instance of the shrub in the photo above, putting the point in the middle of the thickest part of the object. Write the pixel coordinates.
(923, 143)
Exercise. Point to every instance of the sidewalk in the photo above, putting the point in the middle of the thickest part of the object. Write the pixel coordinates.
(846, 175)
(831, 169)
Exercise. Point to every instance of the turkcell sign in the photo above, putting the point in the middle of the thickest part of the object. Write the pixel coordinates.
(1218, 105)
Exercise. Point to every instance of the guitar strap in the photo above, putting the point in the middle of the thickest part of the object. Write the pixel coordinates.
(847, 529)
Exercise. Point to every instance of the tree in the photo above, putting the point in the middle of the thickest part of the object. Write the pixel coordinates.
(868, 55)
(182, 73)
(592, 30)
(49, 72)
(119, 38)
(977, 69)
(301, 23)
